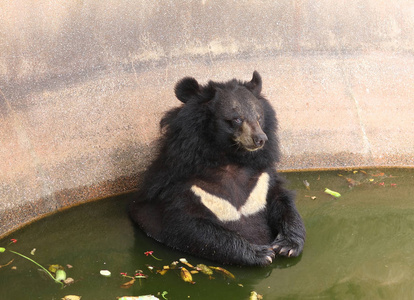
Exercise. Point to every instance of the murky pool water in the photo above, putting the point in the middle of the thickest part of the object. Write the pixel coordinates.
(359, 246)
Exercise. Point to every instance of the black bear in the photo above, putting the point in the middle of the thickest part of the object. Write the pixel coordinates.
(213, 190)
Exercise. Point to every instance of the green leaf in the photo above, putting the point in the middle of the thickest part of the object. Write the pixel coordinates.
(2, 249)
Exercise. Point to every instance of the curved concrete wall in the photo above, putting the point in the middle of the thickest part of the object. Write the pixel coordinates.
(83, 85)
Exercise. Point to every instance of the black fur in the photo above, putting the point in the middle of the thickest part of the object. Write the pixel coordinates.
(208, 142)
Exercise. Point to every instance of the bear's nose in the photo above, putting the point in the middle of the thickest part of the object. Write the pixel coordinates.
(260, 139)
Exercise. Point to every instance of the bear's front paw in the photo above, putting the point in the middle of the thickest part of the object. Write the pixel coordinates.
(264, 255)
(287, 247)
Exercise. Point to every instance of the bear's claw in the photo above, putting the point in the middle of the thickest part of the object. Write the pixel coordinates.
(264, 254)
(285, 247)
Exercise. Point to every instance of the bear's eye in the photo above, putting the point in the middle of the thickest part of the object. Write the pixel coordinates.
(237, 121)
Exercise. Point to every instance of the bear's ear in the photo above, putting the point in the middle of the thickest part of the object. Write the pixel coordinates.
(186, 89)
(255, 85)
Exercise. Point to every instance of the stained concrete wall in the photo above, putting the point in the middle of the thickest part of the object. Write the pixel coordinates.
(83, 85)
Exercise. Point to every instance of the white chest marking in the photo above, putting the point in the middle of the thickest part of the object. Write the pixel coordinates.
(225, 211)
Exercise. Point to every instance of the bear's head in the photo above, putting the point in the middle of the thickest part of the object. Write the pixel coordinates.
(238, 116)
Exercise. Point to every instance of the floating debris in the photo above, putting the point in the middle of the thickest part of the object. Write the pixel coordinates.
(54, 268)
(105, 273)
(151, 268)
(31, 260)
(145, 297)
(128, 284)
(255, 296)
(150, 253)
(205, 270)
(307, 185)
(173, 265)
(332, 193)
(140, 275)
(185, 262)
(68, 281)
(224, 272)
(60, 275)
(163, 270)
(351, 182)
(186, 275)
(71, 297)
(2, 266)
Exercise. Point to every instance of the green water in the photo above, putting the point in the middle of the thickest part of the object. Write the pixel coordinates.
(359, 246)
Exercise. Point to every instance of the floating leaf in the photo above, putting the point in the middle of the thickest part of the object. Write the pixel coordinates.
(224, 272)
(33, 251)
(2, 249)
(204, 269)
(163, 271)
(307, 185)
(128, 284)
(186, 275)
(54, 268)
(184, 261)
(332, 193)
